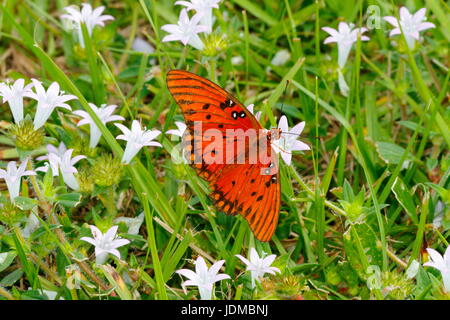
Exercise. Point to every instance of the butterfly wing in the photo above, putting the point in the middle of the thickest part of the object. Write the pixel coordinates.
(249, 189)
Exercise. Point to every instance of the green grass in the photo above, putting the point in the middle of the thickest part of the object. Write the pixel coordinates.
(359, 205)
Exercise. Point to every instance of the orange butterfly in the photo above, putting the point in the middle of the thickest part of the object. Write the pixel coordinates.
(241, 182)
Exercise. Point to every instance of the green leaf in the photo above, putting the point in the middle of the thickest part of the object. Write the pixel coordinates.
(368, 240)
(117, 282)
(11, 278)
(404, 197)
(25, 203)
(391, 153)
(348, 193)
(69, 200)
(6, 258)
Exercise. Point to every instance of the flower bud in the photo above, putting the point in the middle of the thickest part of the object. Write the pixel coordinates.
(10, 214)
(396, 286)
(25, 136)
(214, 45)
(106, 171)
(85, 180)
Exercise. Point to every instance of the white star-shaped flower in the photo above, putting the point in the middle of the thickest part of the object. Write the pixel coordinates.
(105, 244)
(344, 37)
(86, 15)
(180, 131)
(61, 161)
(13, 94)
(136, 139)
(411, 24)
(203, 8)
(186, 30)
(442, 263)
(203, 278)
(287, 141)
(47, 101)
(52, 161)
(13, 176)
(105, 114)
(259, 266)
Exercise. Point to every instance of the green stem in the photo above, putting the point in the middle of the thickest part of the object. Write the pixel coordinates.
(95, 71)
(6, 294)
(151, 239)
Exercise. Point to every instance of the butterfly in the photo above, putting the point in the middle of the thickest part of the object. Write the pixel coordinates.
(239, 184)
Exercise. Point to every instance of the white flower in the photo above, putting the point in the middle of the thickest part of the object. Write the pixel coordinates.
(180, 131)
(411, 24)
(89, 17)
(140, 45)
(344, 37)
(185, 31)
(287, 141)
(136, 139)
(47, 101)
(203, 8)
(104, 113)
(442, 264)
(105, 243)
(257, 115)
(61, 162)
(281, 57)
(68, 170)
(53, 161)
(133, 224)
(203, 278)
(13, 176)
(257, 266)
(13, 94)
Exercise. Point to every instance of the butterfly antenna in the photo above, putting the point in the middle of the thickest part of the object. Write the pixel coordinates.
(296, 134)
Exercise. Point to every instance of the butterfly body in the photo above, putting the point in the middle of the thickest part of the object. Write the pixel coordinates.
(229, 149)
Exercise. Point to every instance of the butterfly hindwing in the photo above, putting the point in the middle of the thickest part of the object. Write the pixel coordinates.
(245, 188)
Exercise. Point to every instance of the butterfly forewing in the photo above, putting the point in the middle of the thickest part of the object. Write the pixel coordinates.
(240, 184)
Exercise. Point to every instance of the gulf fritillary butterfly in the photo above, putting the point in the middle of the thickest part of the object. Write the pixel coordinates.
(249, 189)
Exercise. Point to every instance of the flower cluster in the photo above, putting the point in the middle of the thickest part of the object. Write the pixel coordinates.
(47, 100)
(60, 159)
(204, 278)
(29, 135)
(346, 35)
(61, 162)
(187, 29)
(87, 16)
